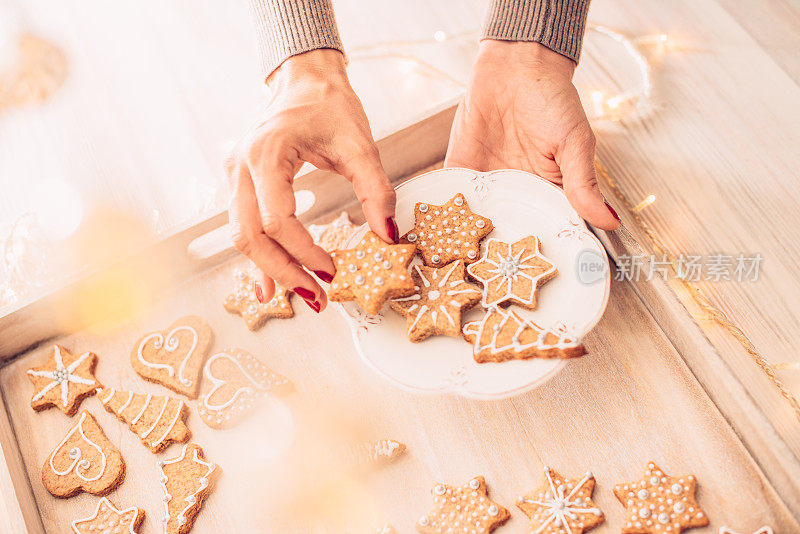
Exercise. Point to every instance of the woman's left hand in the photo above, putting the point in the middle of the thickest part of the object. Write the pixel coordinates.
(521, 111)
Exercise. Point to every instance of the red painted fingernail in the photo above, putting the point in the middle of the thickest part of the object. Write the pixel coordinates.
(325, 277)
(392, 230)
(614, 213)
(305, 293)
(259, 292)
(313, 305)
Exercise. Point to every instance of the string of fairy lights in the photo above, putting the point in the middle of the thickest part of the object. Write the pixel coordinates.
(41, 70)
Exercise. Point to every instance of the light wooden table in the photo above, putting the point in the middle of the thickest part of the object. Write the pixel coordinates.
(157, 93)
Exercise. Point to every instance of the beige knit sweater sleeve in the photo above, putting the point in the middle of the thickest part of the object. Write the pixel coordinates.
(290, 27)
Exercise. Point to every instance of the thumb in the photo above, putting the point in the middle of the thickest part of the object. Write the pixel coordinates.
(580, 181)
(374, 190)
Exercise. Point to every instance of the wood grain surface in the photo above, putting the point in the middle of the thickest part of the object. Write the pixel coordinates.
(629, 401)
(157, 93)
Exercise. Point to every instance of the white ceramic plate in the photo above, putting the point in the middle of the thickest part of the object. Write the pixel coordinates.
(519, 204)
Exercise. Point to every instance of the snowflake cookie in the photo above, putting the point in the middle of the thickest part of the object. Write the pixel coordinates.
(187, 481)
(85, 460)
(562, 505)
(243, 301)
(333, 235)
(659, 503)
(447, 233)
(232, 381)
(503, 335)
(441, 296)
(464, 509)
(107, 519)
(512, 273)
(372, 273)
(64, 381)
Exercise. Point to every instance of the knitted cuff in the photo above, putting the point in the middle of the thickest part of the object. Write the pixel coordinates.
(289, 27)
(556, 24)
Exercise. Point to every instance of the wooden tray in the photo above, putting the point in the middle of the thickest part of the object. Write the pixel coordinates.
(631, 400)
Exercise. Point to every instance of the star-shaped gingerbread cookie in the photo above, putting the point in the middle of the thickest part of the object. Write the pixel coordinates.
(512, 272)
(464, 509)
(659, 503)
(447, 233)
(372, 273)
(333, 235)
(64, 381)
(562, 505)
(244, 302)
(441, 296)
(107, 519)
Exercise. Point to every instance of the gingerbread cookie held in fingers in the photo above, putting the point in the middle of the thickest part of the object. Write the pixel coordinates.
(512, 273)
(441, 296)
(372, 273)
(244, 301)
(64, 381)
(174, 357)
(447, 233)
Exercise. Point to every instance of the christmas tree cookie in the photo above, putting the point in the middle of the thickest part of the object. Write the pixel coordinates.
(187, 481)
(157, 420)
(503, 335)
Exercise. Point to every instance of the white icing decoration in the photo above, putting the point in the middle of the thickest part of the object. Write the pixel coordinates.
(411, 237)
(105, 502)
(61, 376)
(144, 408)
(509, 268)
(170, 344)
(160, 415)
(477, 328)
(423, 208)
(560, 505)
(210, 467)
(78, 464)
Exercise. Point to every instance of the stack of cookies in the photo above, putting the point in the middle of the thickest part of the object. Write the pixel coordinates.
(452, 277)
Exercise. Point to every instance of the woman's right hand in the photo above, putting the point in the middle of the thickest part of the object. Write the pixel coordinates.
(314, 116)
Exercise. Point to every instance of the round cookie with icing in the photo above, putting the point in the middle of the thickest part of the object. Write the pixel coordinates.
(447, 233)
(233, 381)
(175, 356)
(372, 273)
(441, 296)
(64, 381)
(658, 503)
(454, 508)
(85, 460)
(512, 273)
(562, 505)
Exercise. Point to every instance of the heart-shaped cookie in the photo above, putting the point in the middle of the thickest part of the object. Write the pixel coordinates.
(232, 380)
(85, 460)
(175, 356)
